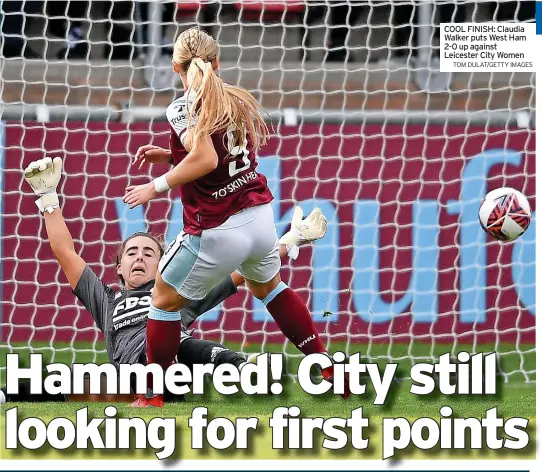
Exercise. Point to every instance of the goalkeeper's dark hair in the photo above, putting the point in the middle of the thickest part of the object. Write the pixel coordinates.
(122, 246)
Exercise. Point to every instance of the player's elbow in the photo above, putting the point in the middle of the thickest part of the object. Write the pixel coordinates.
(63, 251)
(207, 156)
(210, 162)
(65, 258)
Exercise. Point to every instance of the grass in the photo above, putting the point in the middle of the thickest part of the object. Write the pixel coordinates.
(515, 398)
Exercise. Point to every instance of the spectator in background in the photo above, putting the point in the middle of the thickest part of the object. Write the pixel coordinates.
(121, 28)
(13, 41)
(122, 18)
(65, 20)
(404, 28)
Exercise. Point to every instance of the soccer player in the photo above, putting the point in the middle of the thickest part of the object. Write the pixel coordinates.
(122, 315)
(216, 130)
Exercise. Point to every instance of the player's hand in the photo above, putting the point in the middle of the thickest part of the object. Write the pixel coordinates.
(302, 231)
(151, 154)
(139, 194)
(43, 175)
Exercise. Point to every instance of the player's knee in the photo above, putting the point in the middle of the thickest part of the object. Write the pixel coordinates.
(167, 303)
(261, 291)
(166, 298)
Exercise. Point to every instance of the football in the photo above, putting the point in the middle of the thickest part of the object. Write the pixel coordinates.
(505, 214)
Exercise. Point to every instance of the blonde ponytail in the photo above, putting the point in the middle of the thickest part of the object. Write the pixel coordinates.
(218, 106)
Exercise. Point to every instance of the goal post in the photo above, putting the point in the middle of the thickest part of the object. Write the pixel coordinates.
(404, 273)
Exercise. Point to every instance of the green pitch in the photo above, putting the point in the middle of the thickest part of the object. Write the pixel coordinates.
(516, 398)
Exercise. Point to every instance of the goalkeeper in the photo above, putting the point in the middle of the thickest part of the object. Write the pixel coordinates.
(122, 315)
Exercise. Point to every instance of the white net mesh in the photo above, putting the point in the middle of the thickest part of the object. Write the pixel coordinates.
(404, 273)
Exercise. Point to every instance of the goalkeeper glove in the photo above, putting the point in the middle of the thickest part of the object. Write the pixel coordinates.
(43, 176)
(303, 231)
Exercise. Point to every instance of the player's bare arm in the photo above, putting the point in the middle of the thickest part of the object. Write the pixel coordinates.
(61, 242)
(199, 162)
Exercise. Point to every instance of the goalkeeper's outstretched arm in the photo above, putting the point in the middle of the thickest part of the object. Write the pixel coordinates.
(61, 242)
(43, 176)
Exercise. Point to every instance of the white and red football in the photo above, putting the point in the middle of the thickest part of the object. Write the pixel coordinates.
(505, 214)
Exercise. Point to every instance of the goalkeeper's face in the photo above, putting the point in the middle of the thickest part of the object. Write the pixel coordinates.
(139, 261)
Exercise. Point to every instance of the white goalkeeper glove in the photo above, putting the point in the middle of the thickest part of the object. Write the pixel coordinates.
(303, 231)
(43, 176)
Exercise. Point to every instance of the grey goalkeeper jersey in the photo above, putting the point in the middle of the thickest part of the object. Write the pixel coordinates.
(122, 315)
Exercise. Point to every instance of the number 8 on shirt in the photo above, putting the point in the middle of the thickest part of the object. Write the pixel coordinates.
(228, 220)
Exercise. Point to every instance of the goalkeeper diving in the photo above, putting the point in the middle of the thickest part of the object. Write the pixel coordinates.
(121, 315)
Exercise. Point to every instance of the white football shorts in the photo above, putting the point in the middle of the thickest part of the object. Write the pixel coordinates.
(246, 242)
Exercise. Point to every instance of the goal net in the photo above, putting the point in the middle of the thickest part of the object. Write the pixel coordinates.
(397, 155)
